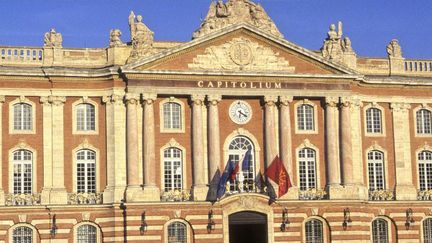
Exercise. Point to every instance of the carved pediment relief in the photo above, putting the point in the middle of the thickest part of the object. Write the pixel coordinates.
(241, 54)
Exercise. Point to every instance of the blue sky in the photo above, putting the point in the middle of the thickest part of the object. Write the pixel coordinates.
(370, 24)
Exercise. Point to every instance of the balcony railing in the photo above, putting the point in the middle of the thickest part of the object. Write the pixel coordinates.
(22, 199)
(381, 195)
(84, 198)
(419, 66)
(19, 55)
(313, 194)
(424, 195)
(176, 196)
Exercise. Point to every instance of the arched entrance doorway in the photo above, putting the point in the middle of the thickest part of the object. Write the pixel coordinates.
(248, 227)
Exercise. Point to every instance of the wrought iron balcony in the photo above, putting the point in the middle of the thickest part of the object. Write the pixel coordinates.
(22, 199)
(424, 195)
(176, 196)
(381, 195)
(313, 194)
(245, 186)
(84, 198)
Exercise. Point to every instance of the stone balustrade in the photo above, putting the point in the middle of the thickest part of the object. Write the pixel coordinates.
(418, 66)
(22, 199)
(84, 198)
(21, 55)
(313, 194)
(381, 195)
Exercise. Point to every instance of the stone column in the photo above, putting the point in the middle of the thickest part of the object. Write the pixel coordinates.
(199, 188)
(286, 144)
(116, 148)
(332, 155)
(214, 172)
(54, 191)
(151, 191)
(271, 135)
(346, 142)
(133, 182)
(405, 189)
(2, 197)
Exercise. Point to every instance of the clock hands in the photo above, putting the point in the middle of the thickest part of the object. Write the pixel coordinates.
(241, 113)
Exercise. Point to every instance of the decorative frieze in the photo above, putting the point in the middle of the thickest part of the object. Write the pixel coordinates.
(176, 196)
(313, 194)
(22, 199)
(84, 198)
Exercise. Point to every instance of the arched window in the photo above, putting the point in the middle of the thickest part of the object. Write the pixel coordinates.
(305, 118)
(314, 231)
(373, 120)
(86, 171)
(423, 118)
(22, 234)
(86, 233)
(236, 152)
(380, 231)
(85, 117)
(173, 169)
(307, 168)
(376, 170)
(22, 171)
(172, 115)
(427, 230)
(425, 170)
(177, 233)
(22, 115)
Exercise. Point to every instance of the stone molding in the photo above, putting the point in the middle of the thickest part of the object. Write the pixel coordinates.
(400, 107)
(113, 99)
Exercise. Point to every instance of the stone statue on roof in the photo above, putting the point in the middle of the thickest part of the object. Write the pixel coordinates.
(115, 38)
(53, 39)
(221, 15)
(394, 50)
(141, 37)
(335, 47)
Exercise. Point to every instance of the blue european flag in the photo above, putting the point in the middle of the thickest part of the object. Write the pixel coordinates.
(229, 168)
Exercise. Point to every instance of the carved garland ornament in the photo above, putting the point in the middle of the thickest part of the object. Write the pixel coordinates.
(241, 54)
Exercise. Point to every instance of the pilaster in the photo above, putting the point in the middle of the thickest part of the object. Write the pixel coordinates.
(214, 171)
(151, 191)
(286, 145)
(133, 183)
(116, 149)
(332, 155)
(405, 189)
(2, 196)
(199, 188)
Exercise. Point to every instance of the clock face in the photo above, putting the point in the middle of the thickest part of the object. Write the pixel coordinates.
(240, 112)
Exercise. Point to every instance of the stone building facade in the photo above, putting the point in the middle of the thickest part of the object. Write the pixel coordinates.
(125, 143)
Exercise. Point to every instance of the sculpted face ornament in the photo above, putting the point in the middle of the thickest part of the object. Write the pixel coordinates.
(241, 54)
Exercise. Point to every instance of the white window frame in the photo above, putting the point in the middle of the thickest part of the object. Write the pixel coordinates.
(23, 163)
(87, 163)
(173, 144)
(422, 229)
(389, 228)
(171, 161)
(382, 120)
(375, 163)
(188, 229)
(418, 109)
(75, 105)
(377, 147)
(306, 144)
(163, 129)
(323, 224)
(315, 118)
(425, 148)
(85, 145)
(98, 231)
(22, 146)
(35, 233)
(22, 100)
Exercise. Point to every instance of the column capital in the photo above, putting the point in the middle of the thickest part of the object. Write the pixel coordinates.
(400, 107)
(132, 98)
(331, 101)
(149, 98)
(270, 100)
(113, 99)
(2, 99)
(52, 100)
(214, 99)
(197, 99)
(285, 100)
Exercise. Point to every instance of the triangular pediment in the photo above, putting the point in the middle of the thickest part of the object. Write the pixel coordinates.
(239, 49)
